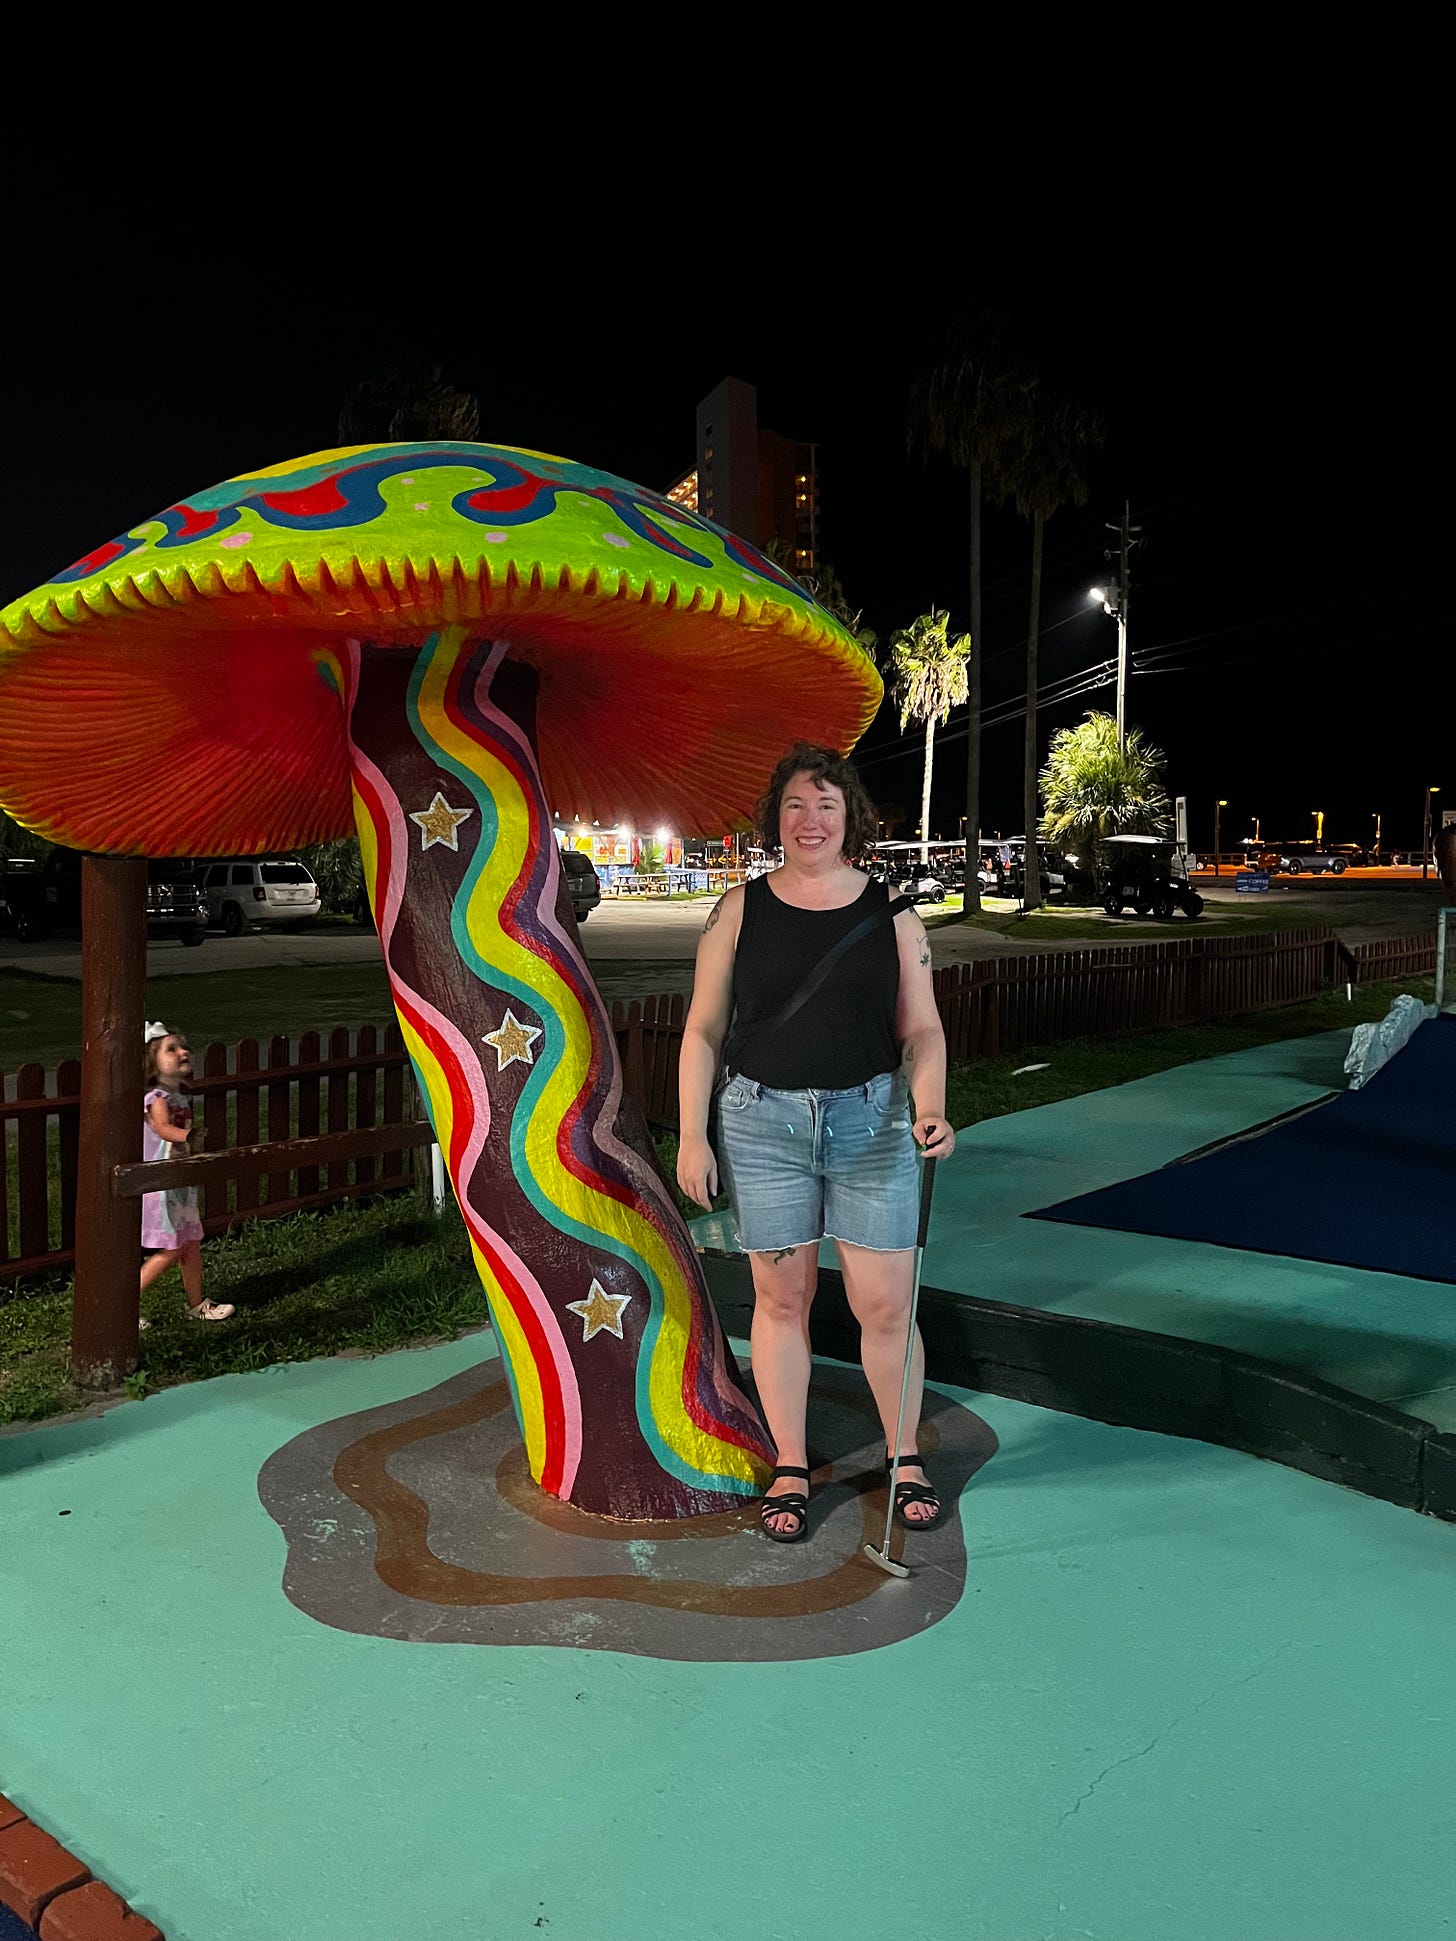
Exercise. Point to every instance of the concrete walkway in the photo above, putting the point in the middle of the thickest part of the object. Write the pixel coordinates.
(1184, 1696)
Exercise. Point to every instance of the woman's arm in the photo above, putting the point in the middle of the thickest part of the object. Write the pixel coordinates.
(704, 1030)
(159, 1116)
(921, 1038)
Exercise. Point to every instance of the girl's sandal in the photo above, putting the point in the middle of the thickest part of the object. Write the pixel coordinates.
(906, 1493)
(792, 1503)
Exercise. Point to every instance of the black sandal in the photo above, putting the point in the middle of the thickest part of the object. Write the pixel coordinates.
(791, 1503)
(906, 1493)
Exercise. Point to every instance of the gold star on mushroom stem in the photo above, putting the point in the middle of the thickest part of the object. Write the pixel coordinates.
(439, 823)
(600, 1312)
(513, 1041)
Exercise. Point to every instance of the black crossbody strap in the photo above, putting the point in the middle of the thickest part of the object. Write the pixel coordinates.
(885, 914)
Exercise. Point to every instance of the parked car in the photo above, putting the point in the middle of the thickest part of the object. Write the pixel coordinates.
(10, 868)
(1151, 874)
(584, 883)
(46, 901)
(1315, 858)
(254, 891)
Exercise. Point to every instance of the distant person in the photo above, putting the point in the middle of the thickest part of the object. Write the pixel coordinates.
(815, 1133)
(171, 1225)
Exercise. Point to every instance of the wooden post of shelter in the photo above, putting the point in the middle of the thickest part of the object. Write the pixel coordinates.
(108, 1230)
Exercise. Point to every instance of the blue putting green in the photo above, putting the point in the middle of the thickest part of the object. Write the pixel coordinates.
(1184, 1696)
(1366, 1179)
(1380, 1335)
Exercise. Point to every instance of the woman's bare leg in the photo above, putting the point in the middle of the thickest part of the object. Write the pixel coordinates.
(878, 1287)
(783, 1292)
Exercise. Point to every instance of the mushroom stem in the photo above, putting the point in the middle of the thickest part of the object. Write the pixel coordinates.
(625, 1389)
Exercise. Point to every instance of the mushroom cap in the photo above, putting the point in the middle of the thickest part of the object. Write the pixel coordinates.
(170, 693)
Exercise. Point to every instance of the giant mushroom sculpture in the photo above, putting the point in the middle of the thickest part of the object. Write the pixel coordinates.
(441, 645)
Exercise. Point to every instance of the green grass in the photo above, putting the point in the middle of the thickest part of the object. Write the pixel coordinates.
(40, 1016)
(360, 1278)
(1059, 921)
(367, 1278)
(988, 1089)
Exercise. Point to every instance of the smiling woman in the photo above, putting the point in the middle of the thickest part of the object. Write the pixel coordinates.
(814, 1136)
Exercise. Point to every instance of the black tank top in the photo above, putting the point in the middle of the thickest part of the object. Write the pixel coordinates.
(845, 1034)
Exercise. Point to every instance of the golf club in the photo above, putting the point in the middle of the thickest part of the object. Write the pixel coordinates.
(882, 1556)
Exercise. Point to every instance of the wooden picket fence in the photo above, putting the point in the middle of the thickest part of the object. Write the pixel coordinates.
(1004, 1004)
(359, 1083)
(249, 1094)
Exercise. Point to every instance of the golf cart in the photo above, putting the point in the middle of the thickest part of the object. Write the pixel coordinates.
(1151, 874)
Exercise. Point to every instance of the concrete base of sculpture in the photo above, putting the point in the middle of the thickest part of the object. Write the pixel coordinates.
(419, 1521)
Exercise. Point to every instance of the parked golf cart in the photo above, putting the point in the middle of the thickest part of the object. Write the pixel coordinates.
(1151, 874)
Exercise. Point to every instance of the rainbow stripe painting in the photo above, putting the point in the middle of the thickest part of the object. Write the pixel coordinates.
(623, 1384)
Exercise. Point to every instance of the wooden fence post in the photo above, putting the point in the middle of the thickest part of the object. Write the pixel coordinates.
(108, 1230)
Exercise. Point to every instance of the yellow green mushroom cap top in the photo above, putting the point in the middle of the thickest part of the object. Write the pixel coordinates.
(173, 692)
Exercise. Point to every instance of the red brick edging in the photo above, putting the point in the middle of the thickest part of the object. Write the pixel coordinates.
(53, 1892)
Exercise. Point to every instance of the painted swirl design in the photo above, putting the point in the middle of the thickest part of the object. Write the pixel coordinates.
(625, 1391)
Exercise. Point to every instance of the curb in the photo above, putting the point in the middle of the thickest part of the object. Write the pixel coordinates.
(54, 1893)
(1135, 1379)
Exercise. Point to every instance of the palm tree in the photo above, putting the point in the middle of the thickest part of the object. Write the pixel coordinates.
(1092, 789)
(928, 676)
(1056, 438)
(824, 585)
(410, 402)
(962, 405)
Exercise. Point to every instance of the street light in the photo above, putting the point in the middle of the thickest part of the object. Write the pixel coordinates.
(1222, 803)
(1319, 824)
(1376, 858)
(1114, 602)
(1426, 836)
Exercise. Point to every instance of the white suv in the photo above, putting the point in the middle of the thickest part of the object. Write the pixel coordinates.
(263, 890)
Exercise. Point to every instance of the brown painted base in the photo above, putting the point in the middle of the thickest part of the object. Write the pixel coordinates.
(419, 1521)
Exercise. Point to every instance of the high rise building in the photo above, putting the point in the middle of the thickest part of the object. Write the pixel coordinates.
(755, 482)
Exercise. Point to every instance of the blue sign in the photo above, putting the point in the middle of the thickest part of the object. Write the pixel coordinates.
(1252, 881)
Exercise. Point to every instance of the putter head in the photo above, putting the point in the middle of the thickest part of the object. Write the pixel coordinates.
(886, 1562)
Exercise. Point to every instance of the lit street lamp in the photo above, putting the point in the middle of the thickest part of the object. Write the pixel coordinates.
(1376, 814)
(1222, 803)
(1319, 824)
(1426, 836)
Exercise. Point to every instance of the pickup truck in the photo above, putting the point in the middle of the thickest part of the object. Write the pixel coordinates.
(47, 901)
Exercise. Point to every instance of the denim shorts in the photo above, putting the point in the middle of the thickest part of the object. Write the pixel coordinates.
(806, 1166)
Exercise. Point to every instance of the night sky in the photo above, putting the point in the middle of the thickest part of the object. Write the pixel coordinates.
(1276, 400)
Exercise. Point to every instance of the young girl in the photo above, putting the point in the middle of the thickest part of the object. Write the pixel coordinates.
(170, 1222)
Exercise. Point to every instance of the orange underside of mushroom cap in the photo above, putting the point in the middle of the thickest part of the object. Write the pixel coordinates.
(186, 718)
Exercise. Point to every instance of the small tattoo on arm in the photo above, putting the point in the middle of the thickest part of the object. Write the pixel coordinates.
(713, 916)
(784, 1253)
(909, 1058)
(925, 950)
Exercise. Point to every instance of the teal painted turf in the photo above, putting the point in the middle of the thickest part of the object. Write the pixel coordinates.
(1186, 1697)
(1384, 1336)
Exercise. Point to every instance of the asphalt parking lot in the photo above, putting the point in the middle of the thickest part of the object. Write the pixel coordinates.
(1359, 904)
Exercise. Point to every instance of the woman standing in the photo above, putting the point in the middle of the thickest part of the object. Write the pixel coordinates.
(815, 1139)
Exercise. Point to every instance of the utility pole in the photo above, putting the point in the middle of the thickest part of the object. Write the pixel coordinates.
(1116, 603)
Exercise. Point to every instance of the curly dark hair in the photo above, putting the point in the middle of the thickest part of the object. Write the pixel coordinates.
(805, 758)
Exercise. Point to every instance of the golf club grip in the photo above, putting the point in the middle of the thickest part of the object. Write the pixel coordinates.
(927, 1187)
